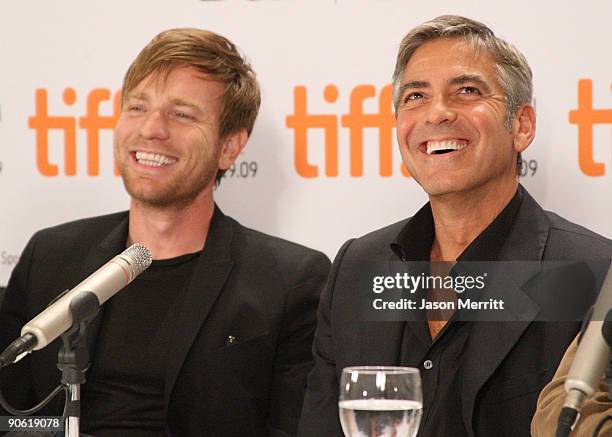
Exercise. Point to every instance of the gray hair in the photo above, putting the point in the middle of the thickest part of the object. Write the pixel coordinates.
(513, 72)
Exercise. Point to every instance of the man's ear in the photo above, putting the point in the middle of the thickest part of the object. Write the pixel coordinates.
(231, 147)
(524, 127)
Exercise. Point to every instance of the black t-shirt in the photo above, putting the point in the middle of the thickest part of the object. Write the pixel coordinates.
(124, 393)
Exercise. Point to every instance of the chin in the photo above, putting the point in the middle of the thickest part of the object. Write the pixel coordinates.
(439, 192)
(434, 185)
(442, 188)
(151, 199)
(148, 193)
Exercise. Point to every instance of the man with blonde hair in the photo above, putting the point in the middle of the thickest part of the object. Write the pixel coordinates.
(214, 338)
(464, 114)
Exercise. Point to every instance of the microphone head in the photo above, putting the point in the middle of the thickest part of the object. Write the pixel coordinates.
(138, 258)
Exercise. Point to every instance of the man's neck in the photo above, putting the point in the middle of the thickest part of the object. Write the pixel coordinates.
(169, 232)
(460, 219)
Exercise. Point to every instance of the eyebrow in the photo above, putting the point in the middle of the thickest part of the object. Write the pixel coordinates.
(413, 84)
(183, 102)
(459, 80)
(177, 101)
(138, 96)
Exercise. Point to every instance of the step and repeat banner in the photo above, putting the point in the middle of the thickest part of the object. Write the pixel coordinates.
(324, 68)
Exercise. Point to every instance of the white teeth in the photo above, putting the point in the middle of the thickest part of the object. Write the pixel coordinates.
(433, 146)
(154, 159)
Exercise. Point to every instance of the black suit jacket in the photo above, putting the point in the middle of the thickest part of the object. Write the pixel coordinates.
(506, 364)
(259, 289)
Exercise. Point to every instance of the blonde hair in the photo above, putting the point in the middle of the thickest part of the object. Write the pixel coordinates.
(213, 55)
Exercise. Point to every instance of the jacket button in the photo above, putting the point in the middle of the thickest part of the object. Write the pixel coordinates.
(428, 364)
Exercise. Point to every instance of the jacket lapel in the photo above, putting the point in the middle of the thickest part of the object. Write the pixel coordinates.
(112, 245)
(481, 361)
(415, 321)
(207, 281)
(490, 342)
(97, 256)
(488, 346)
(381, 342)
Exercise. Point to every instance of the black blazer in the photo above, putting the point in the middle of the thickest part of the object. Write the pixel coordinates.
(506, 364)
(260, 289)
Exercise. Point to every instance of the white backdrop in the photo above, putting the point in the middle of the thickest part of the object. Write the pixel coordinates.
(84, 46)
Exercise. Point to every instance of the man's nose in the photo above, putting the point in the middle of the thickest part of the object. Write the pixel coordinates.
(154, 126)
(441, 111)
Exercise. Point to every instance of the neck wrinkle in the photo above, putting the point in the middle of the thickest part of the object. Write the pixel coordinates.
(460, 219)
(170, 232)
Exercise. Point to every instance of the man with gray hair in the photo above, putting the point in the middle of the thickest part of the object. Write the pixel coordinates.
(463, 107)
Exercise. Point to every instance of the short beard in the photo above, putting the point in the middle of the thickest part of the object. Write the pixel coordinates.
(172, 197)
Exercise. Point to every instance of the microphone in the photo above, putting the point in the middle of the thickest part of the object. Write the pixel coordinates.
(54, 320)
(592, 357)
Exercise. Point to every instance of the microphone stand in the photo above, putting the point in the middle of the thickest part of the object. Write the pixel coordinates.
(569, 414)
(73, 357)
(606, 331)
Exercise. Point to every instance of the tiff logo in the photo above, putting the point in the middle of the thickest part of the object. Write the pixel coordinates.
(585, 117)
(301, 121)
(92, 122)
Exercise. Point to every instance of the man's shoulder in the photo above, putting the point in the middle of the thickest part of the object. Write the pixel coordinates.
(575, 240)
(377, 243)
(386, 234)
(100, 223)
(257, 245)
(77, 230)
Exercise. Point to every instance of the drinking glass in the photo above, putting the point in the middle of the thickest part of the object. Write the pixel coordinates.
(380, 401)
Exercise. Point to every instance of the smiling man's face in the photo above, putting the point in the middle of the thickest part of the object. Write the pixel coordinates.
(167, 144)
(450, 120)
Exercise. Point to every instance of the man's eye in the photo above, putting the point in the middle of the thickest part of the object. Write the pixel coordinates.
(412, 96)
(469, 90)
(183, 115)
(135, 108)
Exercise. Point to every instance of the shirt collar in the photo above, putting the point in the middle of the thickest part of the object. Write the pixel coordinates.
(416, 237)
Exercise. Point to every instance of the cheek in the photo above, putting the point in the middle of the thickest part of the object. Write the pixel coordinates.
(404, 127)
(122, 131)
(488, 119)
(202, 135)
(118, 142)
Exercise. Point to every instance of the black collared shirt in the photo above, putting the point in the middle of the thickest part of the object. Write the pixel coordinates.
(440, 361)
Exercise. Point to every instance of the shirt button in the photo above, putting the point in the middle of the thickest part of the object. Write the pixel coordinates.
(428, 364)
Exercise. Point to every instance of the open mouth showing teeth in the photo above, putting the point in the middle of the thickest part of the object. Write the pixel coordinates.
(153, 159)
(445, 146)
